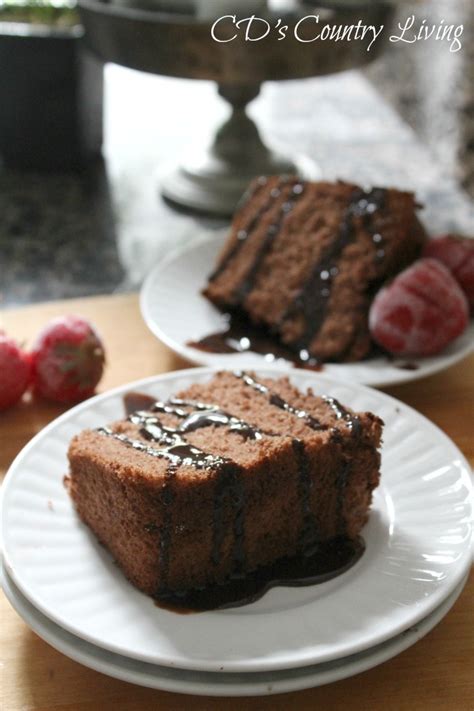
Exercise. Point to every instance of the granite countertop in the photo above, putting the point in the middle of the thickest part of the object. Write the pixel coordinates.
(100, 232)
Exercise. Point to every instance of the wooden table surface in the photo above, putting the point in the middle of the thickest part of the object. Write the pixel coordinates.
(435, 674)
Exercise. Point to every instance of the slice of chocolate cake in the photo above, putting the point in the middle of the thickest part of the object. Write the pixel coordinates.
(229, 475)
(305, 260)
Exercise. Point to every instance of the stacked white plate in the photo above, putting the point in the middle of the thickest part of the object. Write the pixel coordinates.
(417, 557)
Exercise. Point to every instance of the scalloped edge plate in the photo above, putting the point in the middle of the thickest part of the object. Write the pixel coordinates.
(418, 542)
(212, 683)
(177, 281)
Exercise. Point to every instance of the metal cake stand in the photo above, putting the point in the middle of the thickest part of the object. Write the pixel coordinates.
(178, 45)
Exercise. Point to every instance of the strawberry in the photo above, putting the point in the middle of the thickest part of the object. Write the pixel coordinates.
(15, 371)
(420, 311)
(456, 253)
(68, 360)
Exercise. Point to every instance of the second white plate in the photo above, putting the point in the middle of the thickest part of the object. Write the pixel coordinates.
(176, 312)
(417, 551)
(211, 683)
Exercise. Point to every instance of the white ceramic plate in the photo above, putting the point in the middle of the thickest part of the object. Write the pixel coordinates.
(417, 551)
(176, 312)
(212, 683)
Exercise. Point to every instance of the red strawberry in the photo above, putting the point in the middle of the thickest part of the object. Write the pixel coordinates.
(457, 253)
(68, 360)
(420, 311)
(15, 371)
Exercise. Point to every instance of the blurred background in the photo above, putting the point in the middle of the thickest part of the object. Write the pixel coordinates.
(85, 144)
(433, 90)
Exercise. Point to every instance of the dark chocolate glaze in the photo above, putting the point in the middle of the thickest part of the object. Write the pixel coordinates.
(229, 488)
(379, 352)
(278, 401)
(308, 533)
(253, 222)
(352, 420)
(407, 366)
(242, 336)
(341, 483)
(312, 300)
(318, 562)
(177, 452)
(247, 284)
(324, 561)
(167, 497)
(229, 494)
(200, 415)
(134, 401)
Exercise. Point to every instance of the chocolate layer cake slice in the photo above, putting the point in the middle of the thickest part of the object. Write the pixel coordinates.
(227, 476)
(305, 259)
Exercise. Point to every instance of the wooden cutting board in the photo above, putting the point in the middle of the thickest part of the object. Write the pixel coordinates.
(436, 674)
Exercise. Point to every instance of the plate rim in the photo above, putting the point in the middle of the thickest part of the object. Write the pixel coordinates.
(368, 659)
(241, 665)
(203, 359)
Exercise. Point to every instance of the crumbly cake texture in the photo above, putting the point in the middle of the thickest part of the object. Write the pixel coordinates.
(306, 258)
(230, 475)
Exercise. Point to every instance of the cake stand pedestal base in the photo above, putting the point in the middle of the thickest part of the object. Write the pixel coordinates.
(214, 182)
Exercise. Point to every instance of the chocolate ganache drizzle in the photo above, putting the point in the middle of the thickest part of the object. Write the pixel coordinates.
(200, 415)
(278, 401)
(247, 284)
(169, 443)
(179, 452)
(312, 301)
(308, 533)
(353, 422)
(229, 486)
(243, 234)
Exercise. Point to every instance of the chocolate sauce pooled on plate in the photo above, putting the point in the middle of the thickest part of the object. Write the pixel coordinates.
(134, 401)
(241, 336)
(395, 360)
(407, 366)
(324, 562)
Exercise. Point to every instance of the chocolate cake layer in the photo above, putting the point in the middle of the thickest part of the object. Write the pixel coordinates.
(305, 259)
(229, 475)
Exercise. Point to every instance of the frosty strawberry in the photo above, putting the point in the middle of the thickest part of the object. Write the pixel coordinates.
(15, 371)
(68, 360)
(420, 311)
(457, 253)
